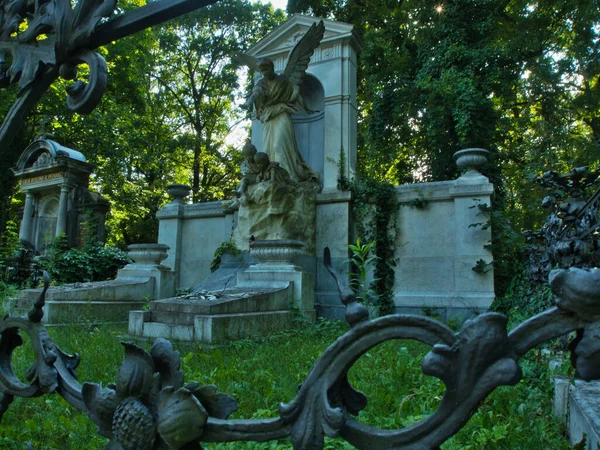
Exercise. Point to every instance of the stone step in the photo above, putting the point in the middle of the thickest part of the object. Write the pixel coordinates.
(76, 312)
(213, 329)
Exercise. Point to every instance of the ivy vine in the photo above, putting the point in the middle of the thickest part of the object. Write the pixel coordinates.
(375, 212)
(225, 247)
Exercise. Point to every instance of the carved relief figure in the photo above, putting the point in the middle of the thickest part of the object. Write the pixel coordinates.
(249, 169)
(271, 171)
(43, 159)
(275, 97)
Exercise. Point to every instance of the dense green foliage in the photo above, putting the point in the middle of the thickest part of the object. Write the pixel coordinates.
(225, 247)
(9, 241)
(164, 118)
(361, 264)
(517, 77)
(261, 373)
(92, 262)
(375, 211)
(524, 297)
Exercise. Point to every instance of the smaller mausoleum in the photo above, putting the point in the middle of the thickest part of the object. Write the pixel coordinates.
(55, 180)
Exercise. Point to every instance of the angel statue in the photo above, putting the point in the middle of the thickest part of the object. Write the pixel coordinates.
(275, 96)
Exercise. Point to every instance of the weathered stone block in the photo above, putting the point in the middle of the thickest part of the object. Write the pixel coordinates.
(218, 328)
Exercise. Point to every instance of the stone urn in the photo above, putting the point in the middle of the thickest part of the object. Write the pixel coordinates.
(471, 159)
(276, 251)
(178, 192)
(150, 255)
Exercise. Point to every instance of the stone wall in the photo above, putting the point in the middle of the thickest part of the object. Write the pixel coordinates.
(437, 246)
(193, 232)
(436, 249)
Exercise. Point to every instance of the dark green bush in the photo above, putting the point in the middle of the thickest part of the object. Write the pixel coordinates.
(524, 298)
(92, 262)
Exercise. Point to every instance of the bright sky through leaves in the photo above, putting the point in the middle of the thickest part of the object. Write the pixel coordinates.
(281, 4)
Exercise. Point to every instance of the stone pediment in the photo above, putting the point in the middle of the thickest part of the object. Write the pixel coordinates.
(43, 152)
(282, 39)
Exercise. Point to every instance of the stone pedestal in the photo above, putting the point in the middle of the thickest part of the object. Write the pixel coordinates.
(147, 264)
(276, 266)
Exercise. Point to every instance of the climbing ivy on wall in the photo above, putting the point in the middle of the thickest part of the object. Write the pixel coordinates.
(375, 213)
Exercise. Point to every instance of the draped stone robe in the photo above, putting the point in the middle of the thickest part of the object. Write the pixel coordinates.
(275, 103)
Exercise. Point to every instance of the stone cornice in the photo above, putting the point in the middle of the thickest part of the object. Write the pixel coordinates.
(335, 33)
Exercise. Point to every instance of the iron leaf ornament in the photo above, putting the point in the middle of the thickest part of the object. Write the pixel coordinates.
(150, 407)
(44, 39)
(41, 40)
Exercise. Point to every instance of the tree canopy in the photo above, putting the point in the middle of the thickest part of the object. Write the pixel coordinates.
(164, 118)
(520, 78)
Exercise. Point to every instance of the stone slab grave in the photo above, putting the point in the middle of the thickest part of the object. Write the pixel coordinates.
(238, 301)
(576, 404)
(106, 301)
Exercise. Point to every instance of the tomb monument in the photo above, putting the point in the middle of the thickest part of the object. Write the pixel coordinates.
(55, 180)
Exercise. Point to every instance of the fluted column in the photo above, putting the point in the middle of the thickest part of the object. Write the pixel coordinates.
(27, 222)
(63, 203)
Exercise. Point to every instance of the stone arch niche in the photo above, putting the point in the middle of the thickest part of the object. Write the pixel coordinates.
(55, 181)
(330, 87)
(310, 128)
(45, 229)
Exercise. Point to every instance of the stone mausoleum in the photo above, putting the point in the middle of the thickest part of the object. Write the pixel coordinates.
(283, 274)
(55, 180)
(437, 246)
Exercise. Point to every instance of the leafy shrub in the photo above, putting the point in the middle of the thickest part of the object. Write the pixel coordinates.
(6, 292)
(93, 262)
(524, 298)
(375, 211)
(8, 245)
(225, 247)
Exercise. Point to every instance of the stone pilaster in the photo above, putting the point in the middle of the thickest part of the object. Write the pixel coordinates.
(63, 206)
(27, 222)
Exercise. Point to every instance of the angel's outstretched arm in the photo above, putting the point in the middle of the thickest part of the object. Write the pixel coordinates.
(248, 104)
(300, 101)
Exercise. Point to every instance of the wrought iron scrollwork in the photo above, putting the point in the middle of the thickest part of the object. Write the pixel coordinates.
(569, 236)
(46, 39)
(150, 407)
(42, 40)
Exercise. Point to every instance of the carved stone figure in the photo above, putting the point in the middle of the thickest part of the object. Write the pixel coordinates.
(43, 159)
(249, 170)
(271, 205)
(275, 97)
(271, 171)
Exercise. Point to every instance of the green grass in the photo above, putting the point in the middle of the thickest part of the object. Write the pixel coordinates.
(262, 373)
